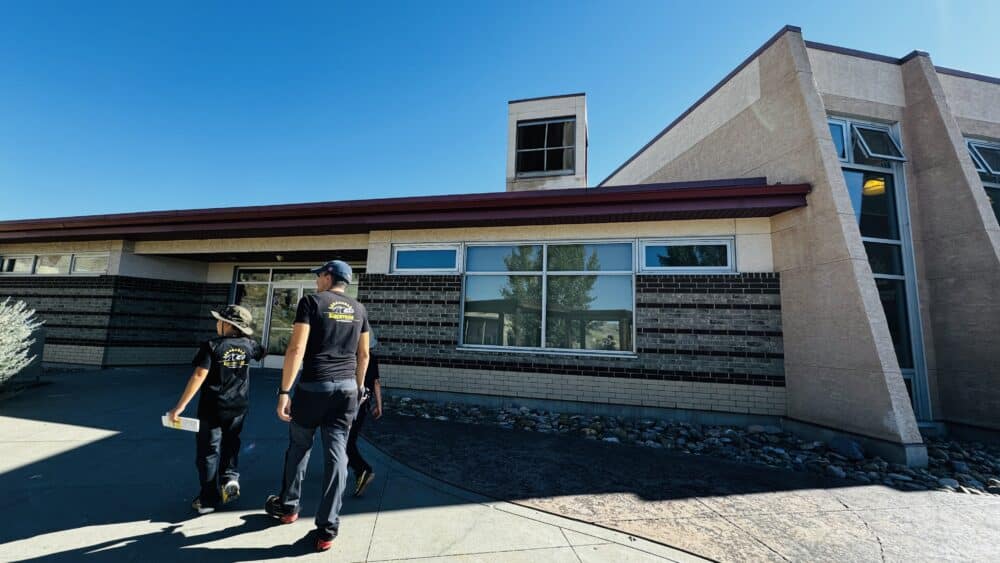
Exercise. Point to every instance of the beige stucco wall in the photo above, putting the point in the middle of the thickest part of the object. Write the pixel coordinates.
(845, 76)
(575, 106)
(971, 99)
(752, 236)
(256, 244)
(957, 246)
(840, 366)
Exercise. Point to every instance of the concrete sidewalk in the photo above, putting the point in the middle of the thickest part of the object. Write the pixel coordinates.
(88, 474)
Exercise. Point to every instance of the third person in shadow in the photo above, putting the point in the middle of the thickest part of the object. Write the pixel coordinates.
(363, 472)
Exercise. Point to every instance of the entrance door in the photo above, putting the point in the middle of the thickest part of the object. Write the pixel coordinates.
(281, 315)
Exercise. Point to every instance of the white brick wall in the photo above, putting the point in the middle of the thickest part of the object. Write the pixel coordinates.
(639, 392)
(69, 354)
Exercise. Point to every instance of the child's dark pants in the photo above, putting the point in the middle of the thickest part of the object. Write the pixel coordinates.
(218, 455)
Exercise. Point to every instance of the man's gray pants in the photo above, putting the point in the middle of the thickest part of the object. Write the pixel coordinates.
(331, 407)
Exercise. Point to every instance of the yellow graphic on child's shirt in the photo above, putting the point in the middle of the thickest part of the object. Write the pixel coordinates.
(341, 312)
(234, 358)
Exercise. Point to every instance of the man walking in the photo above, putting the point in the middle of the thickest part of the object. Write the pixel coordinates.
(330, 341)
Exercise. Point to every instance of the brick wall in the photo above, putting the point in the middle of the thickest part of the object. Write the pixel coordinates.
(708, 342)
(118, 320)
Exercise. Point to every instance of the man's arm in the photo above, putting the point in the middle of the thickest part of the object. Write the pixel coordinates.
(293, 361)
(192, 387)
(363, 357)
(378, 399)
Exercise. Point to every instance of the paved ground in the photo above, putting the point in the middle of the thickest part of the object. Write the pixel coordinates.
(715, 508)
(88, 474)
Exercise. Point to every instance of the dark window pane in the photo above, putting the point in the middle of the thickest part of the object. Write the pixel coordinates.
(879, 143)
(994, 195)
(52, 264)
(254, 298)
(590, 257)
(90, 264)
(531, 136)
(885, 258)
(589, 312)
(893, 296)
(687, 256)
(436, 259)
(559, 159)
(253, 276)
(991, 156)
(873, 197)
(560, 134)
(503, 311)
(293, 275)
(18, 264)
(527, 258)
(861, 158)
(837, 132)
(531, 161)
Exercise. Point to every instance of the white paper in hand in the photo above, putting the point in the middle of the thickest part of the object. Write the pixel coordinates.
(183, 423)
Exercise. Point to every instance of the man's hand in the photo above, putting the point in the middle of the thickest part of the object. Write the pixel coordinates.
(377, 412)
(285, 408)
(175, 413)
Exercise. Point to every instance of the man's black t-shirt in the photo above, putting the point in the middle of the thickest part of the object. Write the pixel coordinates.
(226, 391)
(336, 322)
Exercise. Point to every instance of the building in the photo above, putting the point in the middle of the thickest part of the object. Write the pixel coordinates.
(815, 240)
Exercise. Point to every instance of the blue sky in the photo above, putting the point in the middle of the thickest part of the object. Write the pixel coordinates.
(112, 107)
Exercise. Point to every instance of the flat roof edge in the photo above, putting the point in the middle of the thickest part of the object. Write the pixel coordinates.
(576, 95)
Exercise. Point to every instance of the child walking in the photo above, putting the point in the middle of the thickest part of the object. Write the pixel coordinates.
(222, 372)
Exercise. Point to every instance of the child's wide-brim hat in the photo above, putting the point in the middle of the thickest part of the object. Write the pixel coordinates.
(237, 316)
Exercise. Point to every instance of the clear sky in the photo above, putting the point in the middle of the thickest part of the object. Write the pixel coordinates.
(132, 106)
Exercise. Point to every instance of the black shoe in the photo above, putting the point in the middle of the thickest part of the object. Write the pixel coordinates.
(364, 479)
(274, 508)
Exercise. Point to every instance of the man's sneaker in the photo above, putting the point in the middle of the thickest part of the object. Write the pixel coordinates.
(324, 541)
(230, 491)
(274, 508)
(364, 479)
(196, 505)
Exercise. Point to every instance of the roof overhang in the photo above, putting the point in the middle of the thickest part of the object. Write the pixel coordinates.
(648, 202)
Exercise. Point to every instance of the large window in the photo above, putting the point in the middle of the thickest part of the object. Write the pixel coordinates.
(558, 296)
(872, 156)
(986, 157)
(546, 147)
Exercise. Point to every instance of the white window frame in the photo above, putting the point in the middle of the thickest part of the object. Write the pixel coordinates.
(856, 130)
(730, 243)
(30, 271)
(457, 247)
(72, 263)
(545, 148)
(982, 165)
(845, 138)
(544, 274)
(69, 269)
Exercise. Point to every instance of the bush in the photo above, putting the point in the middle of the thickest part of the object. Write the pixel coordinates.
(17, 322)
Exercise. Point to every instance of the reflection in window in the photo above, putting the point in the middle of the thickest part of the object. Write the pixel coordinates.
(590, 257)
(893, 295)
(53, 264)
(683, 256)
(254, 298)
(873, 197)
(589, 312)
(90, 263)
(17, 264)
(525, 258)
(426, 259)
(503, 311)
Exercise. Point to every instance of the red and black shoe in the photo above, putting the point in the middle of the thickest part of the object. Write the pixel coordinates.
(324, 541)
(274, 508)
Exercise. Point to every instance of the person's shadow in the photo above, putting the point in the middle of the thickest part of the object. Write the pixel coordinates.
(169, 544)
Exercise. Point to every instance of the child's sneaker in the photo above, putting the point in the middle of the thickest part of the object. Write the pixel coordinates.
(196, 505)
(274, 508)
(230, 492)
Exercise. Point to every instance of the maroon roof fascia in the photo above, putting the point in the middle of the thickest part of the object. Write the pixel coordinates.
(723, 198)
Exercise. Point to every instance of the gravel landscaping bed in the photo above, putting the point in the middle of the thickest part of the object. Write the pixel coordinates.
(962, 467)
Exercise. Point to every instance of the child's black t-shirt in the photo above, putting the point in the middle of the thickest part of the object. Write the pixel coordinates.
(226, 391)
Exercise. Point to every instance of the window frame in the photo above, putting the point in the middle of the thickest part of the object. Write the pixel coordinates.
(543, 274)
(845, 138)
(730, 243)
(545, 148)
(31, 269)
(856, 130)
(982, 165)
(72, 263)
(457, 247)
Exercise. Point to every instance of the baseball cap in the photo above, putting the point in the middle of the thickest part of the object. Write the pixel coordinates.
(339, 269)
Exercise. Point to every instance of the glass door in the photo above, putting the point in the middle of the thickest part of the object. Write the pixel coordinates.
(281, 315)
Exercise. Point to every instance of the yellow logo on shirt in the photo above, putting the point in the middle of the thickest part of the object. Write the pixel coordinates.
(234, 358)
(340, 312)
